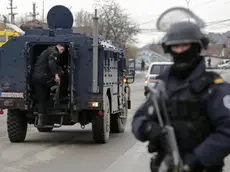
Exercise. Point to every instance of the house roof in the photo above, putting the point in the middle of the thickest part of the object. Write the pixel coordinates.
(213, 50)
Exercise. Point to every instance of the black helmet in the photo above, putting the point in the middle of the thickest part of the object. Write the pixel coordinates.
(184, 32)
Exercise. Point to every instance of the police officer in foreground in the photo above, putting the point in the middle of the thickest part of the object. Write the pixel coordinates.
(45, 71)
(198, 106)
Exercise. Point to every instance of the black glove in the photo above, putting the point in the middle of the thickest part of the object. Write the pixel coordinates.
(156, 161)
(192, 163)
(155, 137)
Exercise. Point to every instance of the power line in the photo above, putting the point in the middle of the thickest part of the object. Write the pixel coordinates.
(207, 25)
(43, 11)
(146, 22)
(188, 6)
(12, 14)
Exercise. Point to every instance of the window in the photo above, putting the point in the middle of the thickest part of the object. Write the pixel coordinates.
(155, 69)
(2, 38)
(165, 67)
(158, 69)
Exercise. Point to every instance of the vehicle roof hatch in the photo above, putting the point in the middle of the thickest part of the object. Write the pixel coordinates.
(59, 17)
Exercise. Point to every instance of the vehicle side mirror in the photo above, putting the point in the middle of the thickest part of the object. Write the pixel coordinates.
(131, 68)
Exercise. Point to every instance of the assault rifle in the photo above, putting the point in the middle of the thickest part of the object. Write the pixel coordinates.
(172, 161)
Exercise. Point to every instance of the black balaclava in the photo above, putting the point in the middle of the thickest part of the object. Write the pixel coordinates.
(185, 62)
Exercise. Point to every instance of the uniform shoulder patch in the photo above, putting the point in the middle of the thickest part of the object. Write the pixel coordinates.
(226, 101)
(218, 80)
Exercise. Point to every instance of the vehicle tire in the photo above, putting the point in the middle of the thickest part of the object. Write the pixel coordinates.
(44, 129)
(118, 124)
(16, 126)
(101, 124)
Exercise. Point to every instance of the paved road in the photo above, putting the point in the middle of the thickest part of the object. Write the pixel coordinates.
(71, 149)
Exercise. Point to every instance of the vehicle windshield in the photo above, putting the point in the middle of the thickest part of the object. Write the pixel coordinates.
(158, 69)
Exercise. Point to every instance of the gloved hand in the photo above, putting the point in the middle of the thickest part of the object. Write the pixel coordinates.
(155, 162)
(192, 163)
(155, 137)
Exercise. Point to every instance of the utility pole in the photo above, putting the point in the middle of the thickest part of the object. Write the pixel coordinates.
(187, 2)
(34, 13)
(43, 11)
(95, 88)
(12, 14)
(4, 19)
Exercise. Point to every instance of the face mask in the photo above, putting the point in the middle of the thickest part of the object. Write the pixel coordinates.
(186, 61)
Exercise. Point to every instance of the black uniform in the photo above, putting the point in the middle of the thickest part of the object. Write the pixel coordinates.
(199, 106)
(209, 62)
(142, 65)
(43, 76)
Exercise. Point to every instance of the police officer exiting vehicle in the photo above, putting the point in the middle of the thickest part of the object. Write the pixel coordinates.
(45, 71)
(198, 105)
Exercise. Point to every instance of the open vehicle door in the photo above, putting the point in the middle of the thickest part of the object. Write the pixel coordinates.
(71, 70)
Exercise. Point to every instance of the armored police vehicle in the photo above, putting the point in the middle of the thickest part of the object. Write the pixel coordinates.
(93, 89)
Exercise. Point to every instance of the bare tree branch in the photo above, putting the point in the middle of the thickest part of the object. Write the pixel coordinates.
(114, 23)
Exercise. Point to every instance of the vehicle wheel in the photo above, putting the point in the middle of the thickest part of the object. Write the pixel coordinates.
(44, 129)
(118, 121)
(16, 125)
(101, 124)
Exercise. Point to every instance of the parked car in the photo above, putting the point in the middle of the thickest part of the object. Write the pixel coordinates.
(155, 69)
(225, 65)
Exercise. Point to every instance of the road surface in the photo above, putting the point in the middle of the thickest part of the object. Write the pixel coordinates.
(71, 149)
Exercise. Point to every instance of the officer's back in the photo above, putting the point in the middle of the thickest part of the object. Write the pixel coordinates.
(41, 67)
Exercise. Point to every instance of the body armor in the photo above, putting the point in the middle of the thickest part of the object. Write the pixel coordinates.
(187, 110)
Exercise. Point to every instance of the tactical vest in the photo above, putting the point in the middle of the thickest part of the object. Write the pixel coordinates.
(188, 111)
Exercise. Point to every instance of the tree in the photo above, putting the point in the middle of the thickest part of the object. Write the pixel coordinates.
(22, 19)
(114, 23)
(131, 51)
(83, 20)
(211, 39)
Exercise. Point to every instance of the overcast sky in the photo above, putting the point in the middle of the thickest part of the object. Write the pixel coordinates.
(144, 12)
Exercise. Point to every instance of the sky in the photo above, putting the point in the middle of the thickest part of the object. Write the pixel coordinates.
(143, 12)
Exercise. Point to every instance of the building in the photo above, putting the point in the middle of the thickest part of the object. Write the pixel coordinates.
(214, 50)
(148, 56)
